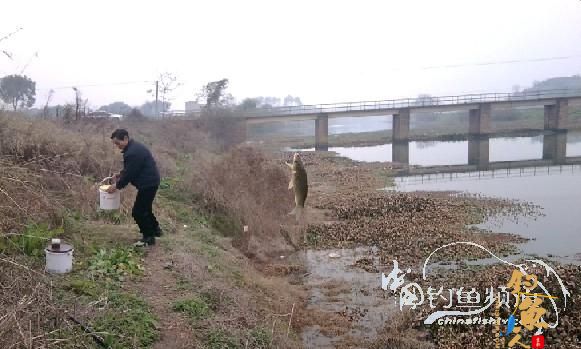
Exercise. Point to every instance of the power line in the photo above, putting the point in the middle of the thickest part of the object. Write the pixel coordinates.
(98, 85)
(10, 34)
(544, 59)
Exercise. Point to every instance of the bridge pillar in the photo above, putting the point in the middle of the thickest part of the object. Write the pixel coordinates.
(322, 132)
(555, 147)
(479, 151)
(479, 122)
(400, 152)
(401, 125)
(557, 115)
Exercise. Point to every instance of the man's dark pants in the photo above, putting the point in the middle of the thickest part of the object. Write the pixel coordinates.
(143, 212)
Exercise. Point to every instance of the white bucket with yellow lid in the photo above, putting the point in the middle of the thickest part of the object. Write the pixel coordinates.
(108, 201)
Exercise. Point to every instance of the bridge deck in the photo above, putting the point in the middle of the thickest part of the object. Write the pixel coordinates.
(388, 107)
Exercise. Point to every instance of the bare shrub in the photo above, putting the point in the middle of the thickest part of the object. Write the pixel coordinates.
(48, 167)
(44, 169)
(225, 129)
(252, 191)
(169, 140)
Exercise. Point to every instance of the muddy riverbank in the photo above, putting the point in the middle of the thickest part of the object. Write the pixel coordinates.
(354, 233)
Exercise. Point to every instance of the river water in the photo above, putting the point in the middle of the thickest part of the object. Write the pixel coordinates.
(555, 188)
(553, 183)
(433, 153)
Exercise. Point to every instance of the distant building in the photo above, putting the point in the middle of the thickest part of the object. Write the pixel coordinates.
(103, 114)
(193, 107)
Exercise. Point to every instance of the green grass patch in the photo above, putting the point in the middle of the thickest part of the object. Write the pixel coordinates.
(195, 308)
(72, 223)
(224, 224)
(199, 306)
(31, 242)
(129, 322)
(259, 338)
(109, 216)
(172, 189)
(116, 264)
(220, 339)
(83, 287)
(183, 284)
(208, 242)
(206, 236)
(211, 298)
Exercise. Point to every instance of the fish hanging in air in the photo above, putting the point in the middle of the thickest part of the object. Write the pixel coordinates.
(299, 183)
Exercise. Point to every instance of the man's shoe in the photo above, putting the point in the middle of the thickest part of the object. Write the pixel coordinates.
(145, 242)
(158, 232)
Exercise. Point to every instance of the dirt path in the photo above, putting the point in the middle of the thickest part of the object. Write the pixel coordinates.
(158, 289)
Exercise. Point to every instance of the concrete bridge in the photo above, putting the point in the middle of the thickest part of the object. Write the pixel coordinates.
(554, 154)
(479, 107)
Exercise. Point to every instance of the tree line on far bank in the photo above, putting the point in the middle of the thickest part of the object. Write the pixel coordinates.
(19, 92)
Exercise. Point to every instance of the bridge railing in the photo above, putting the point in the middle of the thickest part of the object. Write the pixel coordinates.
(391, 104)
(410, 103)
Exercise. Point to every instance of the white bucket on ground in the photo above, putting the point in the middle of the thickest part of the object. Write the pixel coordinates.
(108, 201)
(59, 257)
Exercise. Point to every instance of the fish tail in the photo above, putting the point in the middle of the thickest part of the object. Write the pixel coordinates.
(299, 213)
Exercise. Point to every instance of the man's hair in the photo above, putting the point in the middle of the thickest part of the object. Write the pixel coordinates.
(120, 134)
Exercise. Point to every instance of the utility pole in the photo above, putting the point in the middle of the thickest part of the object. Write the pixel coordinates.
(156, 93)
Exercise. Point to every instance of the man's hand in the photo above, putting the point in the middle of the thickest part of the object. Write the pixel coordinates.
(116, 177)
(112, 189)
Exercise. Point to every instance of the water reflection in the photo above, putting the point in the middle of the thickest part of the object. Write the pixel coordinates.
(544, 169)
(307, 128)
(555, 188)
(480, 152)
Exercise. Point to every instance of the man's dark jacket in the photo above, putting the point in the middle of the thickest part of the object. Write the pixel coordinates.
(139, 167)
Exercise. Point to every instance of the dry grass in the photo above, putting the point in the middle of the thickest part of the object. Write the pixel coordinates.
(250, 190)
(49, 169)
(399, 335)
(45, 170)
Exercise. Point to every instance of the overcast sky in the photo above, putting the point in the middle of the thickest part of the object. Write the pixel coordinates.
(321, 51)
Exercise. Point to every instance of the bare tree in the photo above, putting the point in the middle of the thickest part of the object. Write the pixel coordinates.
(215, 95)
(48, 98)
(78, 102)
(168, 83)
(68, 113)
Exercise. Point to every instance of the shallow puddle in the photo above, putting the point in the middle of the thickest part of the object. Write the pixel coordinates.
(337, 286)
